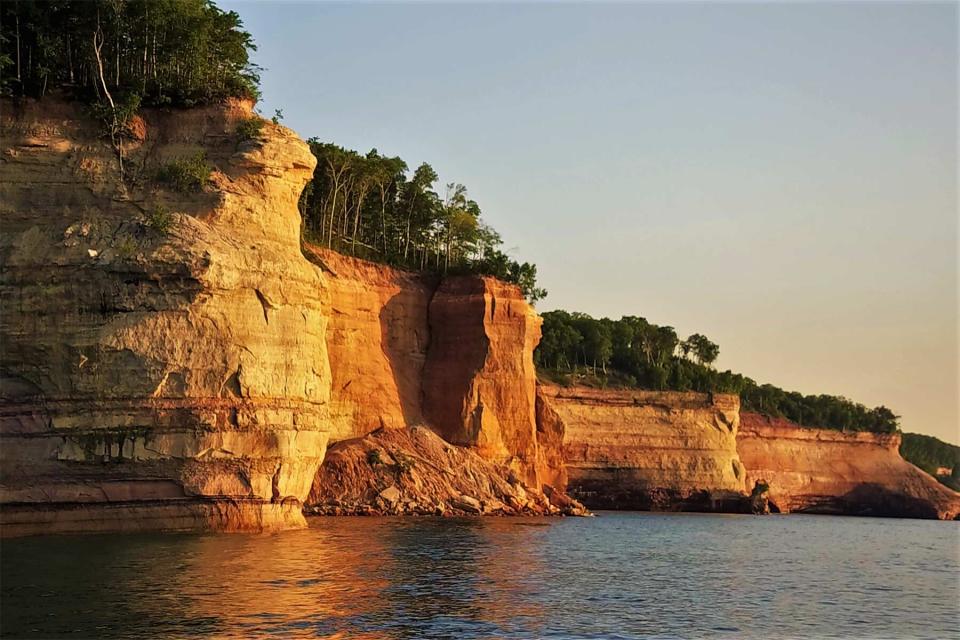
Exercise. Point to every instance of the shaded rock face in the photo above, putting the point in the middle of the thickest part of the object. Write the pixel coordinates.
(415, 472)
(479, 381)
(176, 373)
(648, 450)
(377, 338)
(826, 471)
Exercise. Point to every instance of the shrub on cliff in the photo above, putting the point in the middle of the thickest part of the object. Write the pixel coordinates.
(159, 219)
(250, 128)
(186, 174)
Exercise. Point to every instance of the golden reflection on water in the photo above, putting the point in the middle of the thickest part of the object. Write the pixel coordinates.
(372, 576)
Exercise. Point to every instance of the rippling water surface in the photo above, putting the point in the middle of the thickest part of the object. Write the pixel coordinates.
(620, 575)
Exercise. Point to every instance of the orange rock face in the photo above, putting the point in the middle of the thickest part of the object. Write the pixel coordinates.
(163, 360)
(479, 382)
(377, 338)
(648, 450)
(454, 353)
(826, 471)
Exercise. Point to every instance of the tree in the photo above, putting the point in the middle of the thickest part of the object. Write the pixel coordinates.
(180, 52)
(701, 347)
(560, 342)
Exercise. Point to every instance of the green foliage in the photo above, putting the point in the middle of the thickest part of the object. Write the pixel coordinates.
(374, 457)
(169, 52)
(250, 128)
(115, 120)
(186, 174)
(931, 455)
(370, 206)
(126, 248)
(277, 116)
(825, 411)
(159, 219)
(700, 347)
(634, 352)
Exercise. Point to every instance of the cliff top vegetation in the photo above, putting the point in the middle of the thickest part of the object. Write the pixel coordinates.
(373, 207)
(153, 52)
(632, 352)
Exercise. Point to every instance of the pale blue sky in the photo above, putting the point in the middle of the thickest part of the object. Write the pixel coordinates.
(780, 177)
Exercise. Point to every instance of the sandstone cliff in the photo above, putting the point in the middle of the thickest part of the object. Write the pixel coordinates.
(377, 338)
(172, 361)
(455, 353)
(156, 377)
(173, 355)
(825, 471)
(627, 449)
(479, 381)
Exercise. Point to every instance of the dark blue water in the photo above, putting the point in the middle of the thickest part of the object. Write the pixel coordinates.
(615, 576)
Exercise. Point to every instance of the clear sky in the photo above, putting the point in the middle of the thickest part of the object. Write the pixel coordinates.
(779, 177)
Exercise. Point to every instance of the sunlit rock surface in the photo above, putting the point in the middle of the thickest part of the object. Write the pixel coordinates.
(156, 378)
(827, 471)
(377, 338)
(628, 449)
(479, 384)
(455, 353)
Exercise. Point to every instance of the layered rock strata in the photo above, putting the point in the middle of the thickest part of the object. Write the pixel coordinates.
(163, 363)
(415, 472)
(627, 449)
(825, 471)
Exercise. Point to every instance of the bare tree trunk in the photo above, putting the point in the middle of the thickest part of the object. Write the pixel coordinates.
(115, 138)
(333, 209)
(383, 216)
(146, 45)
(361, 195)
(406, 246)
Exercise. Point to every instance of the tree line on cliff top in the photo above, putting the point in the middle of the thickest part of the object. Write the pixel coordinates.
(156, 52)
(116, 55)
(632, 352)
(372, 206)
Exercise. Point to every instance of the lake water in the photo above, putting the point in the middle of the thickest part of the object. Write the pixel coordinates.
(621, 575)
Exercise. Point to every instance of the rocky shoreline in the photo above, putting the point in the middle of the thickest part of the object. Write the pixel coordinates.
(413, 471)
